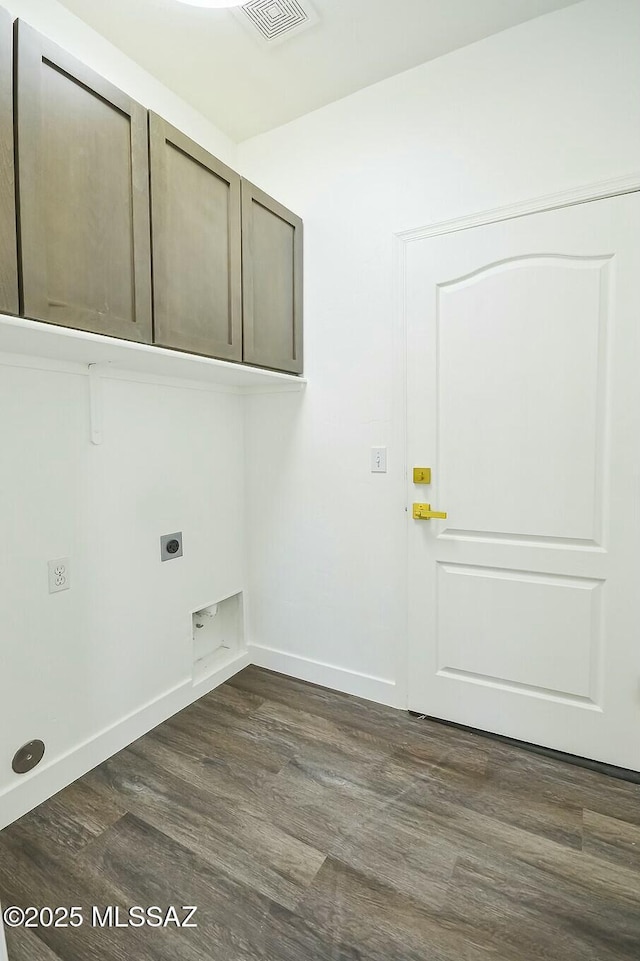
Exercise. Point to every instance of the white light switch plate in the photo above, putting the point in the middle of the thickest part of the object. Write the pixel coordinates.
(378, 460)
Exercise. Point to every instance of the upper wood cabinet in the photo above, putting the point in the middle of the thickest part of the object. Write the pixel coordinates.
(103, 187)
(272, 282)
(83, 192)
(8, 244)
(197, 268)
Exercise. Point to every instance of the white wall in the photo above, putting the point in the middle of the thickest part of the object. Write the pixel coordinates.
(77, 664)
(540, 108)
(89, 669)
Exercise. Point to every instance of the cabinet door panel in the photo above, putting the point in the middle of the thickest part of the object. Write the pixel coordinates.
(8, 241)
(272, 282)
(83, 189)
(195, 203)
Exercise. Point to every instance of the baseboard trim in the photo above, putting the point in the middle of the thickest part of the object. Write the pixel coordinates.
(45, 781)
(326, 675)
(31, 790)
(220, 676)
(3, 944)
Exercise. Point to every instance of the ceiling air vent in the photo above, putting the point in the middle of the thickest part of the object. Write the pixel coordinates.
(277, 20)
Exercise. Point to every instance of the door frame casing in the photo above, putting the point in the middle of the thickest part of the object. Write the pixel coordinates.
(596, 190)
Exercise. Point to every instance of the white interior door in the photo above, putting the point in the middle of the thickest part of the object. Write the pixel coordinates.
(524, 400)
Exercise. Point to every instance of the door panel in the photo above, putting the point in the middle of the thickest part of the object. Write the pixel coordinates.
(272, 282)
(8, 239)
(84, 195)
(512, 331)
(197, 275)
(513, 619)
(523, 398)
(273, 287)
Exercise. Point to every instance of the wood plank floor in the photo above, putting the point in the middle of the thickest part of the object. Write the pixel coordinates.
(307, 825)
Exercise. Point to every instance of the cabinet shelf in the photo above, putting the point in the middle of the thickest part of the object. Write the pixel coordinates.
(64, 344)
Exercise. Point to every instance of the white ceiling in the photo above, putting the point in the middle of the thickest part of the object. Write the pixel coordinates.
(245, 86)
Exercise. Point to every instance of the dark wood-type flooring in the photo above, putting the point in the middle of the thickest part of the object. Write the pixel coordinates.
(308, 825)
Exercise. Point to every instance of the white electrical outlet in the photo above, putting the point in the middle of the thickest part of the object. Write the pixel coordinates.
(59, 575)
(378, 460)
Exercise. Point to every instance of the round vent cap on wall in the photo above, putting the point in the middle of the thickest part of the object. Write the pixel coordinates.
(26, 758)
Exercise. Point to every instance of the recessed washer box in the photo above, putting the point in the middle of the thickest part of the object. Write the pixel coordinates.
(218, 635)
(171, 546)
